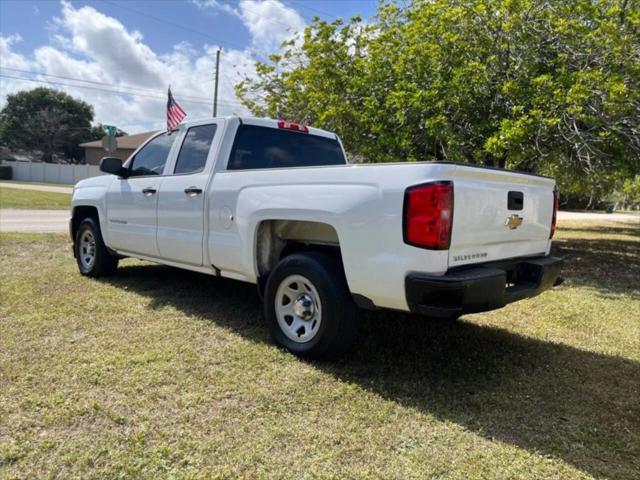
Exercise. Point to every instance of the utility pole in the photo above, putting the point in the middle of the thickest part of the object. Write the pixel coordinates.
(215, 93)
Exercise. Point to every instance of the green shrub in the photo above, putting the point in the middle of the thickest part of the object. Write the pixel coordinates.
(6, 173)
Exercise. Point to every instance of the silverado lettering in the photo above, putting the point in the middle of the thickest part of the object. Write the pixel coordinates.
(471, 256)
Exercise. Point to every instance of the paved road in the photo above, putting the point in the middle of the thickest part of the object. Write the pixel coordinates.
(40, 221)
(601, 217)
(41, 188)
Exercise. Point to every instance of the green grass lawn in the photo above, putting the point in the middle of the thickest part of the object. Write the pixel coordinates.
(45, 184)
(158, 373)
(16, 198)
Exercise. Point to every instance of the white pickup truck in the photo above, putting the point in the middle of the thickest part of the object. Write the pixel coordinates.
(276, 204)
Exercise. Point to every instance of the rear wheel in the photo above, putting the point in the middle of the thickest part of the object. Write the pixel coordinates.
(92, 256)
(308, 306)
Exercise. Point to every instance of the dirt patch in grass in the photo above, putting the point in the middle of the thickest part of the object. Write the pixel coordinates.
(158, 372)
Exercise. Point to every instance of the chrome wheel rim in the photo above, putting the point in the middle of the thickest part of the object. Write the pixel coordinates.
(87, 249)
(298, 309)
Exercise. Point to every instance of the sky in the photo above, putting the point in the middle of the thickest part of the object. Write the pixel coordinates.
(120, 56)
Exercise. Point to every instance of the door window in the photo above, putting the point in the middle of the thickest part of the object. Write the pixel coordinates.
(195, 149)
(151, 159)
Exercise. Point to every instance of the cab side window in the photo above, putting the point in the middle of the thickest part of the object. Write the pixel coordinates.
(195, 149)
(153, 156)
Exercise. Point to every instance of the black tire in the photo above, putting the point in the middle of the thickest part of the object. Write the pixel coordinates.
(337, 329)
(103, 263)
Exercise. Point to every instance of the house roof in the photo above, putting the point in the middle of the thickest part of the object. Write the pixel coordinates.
(127, 142)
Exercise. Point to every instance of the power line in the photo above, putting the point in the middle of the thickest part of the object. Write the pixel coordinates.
(227, 82)
(120, 91)
(116, 92)
(193, 30)
(312, 9)
(176, 25)
(187, 99)
(128, 87)
(94, 82)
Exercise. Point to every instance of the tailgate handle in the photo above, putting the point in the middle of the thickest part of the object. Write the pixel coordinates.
(515, 200)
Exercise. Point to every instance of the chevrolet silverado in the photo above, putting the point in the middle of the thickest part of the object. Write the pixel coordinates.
(277, 204)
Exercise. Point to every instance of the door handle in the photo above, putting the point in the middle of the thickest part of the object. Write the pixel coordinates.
(149, 191)
(191, 191)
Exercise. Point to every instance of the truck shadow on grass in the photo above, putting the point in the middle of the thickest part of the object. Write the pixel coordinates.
(610, 266)
(578, 406)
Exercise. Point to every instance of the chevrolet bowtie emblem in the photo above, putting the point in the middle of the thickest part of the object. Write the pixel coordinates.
(514, 221)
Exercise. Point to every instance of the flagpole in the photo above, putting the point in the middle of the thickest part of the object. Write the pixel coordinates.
(215, 92)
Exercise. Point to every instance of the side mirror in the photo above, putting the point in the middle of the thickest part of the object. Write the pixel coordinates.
(113, 166)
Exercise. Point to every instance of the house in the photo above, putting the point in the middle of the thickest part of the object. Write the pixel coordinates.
(94, 152)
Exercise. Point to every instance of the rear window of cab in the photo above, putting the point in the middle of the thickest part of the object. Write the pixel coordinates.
(264, 147)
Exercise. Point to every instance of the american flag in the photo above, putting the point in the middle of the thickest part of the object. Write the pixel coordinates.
(175, 114)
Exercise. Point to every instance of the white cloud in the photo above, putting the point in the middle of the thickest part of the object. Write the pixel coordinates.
(270, 22)
(9, 58)
(90, 45)
(105, 40)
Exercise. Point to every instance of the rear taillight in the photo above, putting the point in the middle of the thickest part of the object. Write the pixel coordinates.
(555, 214)
(292, 126)
(428, 214)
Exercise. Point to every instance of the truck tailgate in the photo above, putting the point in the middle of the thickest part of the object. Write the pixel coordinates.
(499, 214)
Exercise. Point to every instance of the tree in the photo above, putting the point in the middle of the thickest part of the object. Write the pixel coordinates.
(550, 87)
(49, 121)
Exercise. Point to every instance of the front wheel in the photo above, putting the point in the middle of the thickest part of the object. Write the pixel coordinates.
(308, 306)
(94, 260)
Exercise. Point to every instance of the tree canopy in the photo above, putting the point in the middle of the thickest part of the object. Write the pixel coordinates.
(49, 121)
(551, 87)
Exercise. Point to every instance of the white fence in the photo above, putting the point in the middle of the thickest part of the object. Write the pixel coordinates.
(52, 172)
